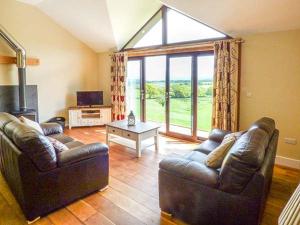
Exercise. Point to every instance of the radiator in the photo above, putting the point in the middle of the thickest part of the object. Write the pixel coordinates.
(291, 212)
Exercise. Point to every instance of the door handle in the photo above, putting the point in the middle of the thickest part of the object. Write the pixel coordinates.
(142, 95)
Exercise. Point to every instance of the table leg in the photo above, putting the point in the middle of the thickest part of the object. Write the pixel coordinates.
(138, 146)
(156, 141)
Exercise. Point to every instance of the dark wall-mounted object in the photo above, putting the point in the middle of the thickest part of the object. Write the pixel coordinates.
(9, 100)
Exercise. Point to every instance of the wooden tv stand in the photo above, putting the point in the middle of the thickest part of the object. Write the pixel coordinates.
(89, 116)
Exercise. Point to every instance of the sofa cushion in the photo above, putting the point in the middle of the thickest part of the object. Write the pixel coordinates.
(196, 156)
(62, 138)
(74, 144)
(35, 145)
(58, 146)
(266, 124)
(243, 160)
(207, 146)
(5, 118)
(190, 170)
(217, 135)
(235, 135)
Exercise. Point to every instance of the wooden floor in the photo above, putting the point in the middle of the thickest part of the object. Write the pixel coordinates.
(132, 196)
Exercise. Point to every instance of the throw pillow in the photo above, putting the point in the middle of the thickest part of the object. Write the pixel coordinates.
(58, 146)
(216, 157)
(32, 124)
(235, 135)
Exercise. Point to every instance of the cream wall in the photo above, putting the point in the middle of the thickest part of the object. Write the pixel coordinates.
(270, 73)
(66, 64)
(104, 76)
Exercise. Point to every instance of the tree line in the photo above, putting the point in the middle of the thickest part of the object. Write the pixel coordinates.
(177, 90)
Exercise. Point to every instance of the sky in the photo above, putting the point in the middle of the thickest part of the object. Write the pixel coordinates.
(180, 28)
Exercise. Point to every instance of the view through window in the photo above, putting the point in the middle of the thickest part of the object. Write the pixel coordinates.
(205, 74)
(178, 28)
(169, 97)
(175, 90)
(155, 89)
(133, 88)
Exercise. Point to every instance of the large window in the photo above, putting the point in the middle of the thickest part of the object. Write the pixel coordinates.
(150, 34)
(168, 26)
(176, 91)
(181, 28)
(172, 83)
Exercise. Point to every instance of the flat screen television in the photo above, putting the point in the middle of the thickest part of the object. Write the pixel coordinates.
(89, 98)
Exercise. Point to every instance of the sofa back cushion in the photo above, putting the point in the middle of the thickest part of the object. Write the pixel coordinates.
(243, 160)
(266, 124)
(32, 143)
(5, 118)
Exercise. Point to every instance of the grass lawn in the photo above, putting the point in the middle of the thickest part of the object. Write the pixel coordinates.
(181, 112)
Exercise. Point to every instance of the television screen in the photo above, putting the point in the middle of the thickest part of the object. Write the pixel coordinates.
(89, 98)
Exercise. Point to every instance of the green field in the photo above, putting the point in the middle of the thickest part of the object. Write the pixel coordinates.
(180, 103)
(180, 112)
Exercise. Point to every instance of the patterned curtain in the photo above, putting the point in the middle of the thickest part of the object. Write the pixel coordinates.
(118, 85)
(226, 85)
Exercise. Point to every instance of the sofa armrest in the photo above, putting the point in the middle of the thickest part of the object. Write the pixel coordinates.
(51, 128)
(218, 135)
(80, 153)
(190, 170)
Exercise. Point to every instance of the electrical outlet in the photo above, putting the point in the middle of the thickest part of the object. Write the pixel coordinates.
(291, 141)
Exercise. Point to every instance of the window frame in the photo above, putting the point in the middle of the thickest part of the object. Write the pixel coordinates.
(194, 88)
(163, 10)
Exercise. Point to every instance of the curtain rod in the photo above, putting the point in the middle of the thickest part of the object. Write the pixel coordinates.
(237, 40)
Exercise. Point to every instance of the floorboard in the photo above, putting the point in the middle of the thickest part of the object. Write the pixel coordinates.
(132, 195)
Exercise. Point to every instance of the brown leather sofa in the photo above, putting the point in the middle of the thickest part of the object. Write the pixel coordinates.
(235, 194)
(41, 179)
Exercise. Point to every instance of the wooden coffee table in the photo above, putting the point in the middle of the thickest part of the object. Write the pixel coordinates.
(137, 133)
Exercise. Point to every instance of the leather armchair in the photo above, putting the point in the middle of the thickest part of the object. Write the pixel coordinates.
(41, 179)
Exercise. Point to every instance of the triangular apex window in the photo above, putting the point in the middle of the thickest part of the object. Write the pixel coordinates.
(179, 28)
(149, 35)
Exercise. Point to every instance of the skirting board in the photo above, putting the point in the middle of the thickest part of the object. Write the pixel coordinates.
(288, 162)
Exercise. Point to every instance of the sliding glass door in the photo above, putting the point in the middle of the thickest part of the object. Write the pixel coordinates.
(205, 74)
(155, 90)
(133, 87)
(180, 95)
(174, 90)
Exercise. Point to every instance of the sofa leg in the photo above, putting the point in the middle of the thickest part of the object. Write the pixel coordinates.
(103, 189)
(166, 215)
(33, 221)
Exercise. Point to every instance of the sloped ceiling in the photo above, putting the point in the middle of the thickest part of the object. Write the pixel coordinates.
(240, 17)
(108, 24)
(103, 25)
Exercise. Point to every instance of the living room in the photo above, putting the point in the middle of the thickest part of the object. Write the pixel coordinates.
(172, 84)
